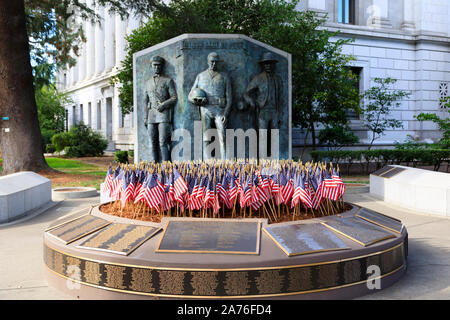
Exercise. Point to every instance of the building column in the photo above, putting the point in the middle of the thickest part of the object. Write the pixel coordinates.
(90, 45)
(120, 34)
(99, 41)
(73, 75)
(379, 14)
(103, 116)
(82, 63)
(98, 115)
(81, 60)
(109, 41)
(408, 16)
(133, 23)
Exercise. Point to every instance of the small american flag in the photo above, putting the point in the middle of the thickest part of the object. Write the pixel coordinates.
(108, 180)
(319, 191)
(340, 186)
(287, 189)
(301, 192)
(194, 202)
(128, 187)
(232, 190)
(208, 200)
(180, 186)
(153, 193)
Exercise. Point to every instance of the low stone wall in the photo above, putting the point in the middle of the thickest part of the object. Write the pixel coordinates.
(416, 189)
(21, 193)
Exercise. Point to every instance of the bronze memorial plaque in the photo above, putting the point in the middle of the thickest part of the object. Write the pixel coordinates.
(298, 239)
(232, 237)
(119, 238)
(362, 232)
(383, 170)
(393, 172)
(381, 220)
(78, 228)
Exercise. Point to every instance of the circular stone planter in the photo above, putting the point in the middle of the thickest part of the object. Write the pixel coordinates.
(73, 193)
(271, 274)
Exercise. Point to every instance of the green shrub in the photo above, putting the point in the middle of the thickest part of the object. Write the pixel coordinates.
(46, 135)
(131, 153)
(442, 123)
(61, 141)
(80, 141)
(121, 156)
(337, 137)
(49, 148)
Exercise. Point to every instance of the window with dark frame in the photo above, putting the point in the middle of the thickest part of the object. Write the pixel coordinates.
(346, 11)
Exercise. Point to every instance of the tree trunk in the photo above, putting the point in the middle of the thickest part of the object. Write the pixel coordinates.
(20, 146)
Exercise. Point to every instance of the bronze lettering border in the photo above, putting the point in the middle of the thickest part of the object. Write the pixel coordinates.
(225, 283)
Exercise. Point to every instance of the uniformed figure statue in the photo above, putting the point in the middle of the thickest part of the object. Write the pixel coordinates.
(212, 93)
(263, 94)
(161, 96)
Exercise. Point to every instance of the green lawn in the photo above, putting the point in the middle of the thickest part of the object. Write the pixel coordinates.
(93, 175)
(75, 167)
(71, 166)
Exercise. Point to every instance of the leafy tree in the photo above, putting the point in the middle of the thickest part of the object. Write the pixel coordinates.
(337, 137)
(443, 124)
(323, 87)
(51, 113)
(379, 100)
(39, 30)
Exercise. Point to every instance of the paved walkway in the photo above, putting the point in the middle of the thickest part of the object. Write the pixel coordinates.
(428, 275)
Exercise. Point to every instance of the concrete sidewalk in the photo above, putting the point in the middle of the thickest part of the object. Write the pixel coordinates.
(427, 277)
(21, 249)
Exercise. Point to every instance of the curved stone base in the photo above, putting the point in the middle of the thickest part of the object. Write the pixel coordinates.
(88, 274)
(73, 193)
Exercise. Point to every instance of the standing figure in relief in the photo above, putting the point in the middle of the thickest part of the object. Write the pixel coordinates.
(161, 96)
(263, 95)
(212, 93)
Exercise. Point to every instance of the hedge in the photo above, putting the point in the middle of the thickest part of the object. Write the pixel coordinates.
(121, 156)
(383, 157)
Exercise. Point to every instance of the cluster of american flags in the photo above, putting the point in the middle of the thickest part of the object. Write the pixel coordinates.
(236, 187)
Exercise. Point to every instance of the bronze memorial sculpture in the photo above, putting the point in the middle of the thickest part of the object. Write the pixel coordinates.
(263, 95)
(161, 95)
(215, 107)
(238, 227)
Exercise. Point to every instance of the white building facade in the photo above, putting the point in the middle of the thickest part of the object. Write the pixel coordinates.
(408, 40)
(95, 99)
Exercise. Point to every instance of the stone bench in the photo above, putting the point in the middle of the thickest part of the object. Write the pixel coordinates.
(415, 189)
(21, 193)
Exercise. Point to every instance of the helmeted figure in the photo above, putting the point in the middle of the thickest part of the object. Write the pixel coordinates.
(212, 93)
(161, 96)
